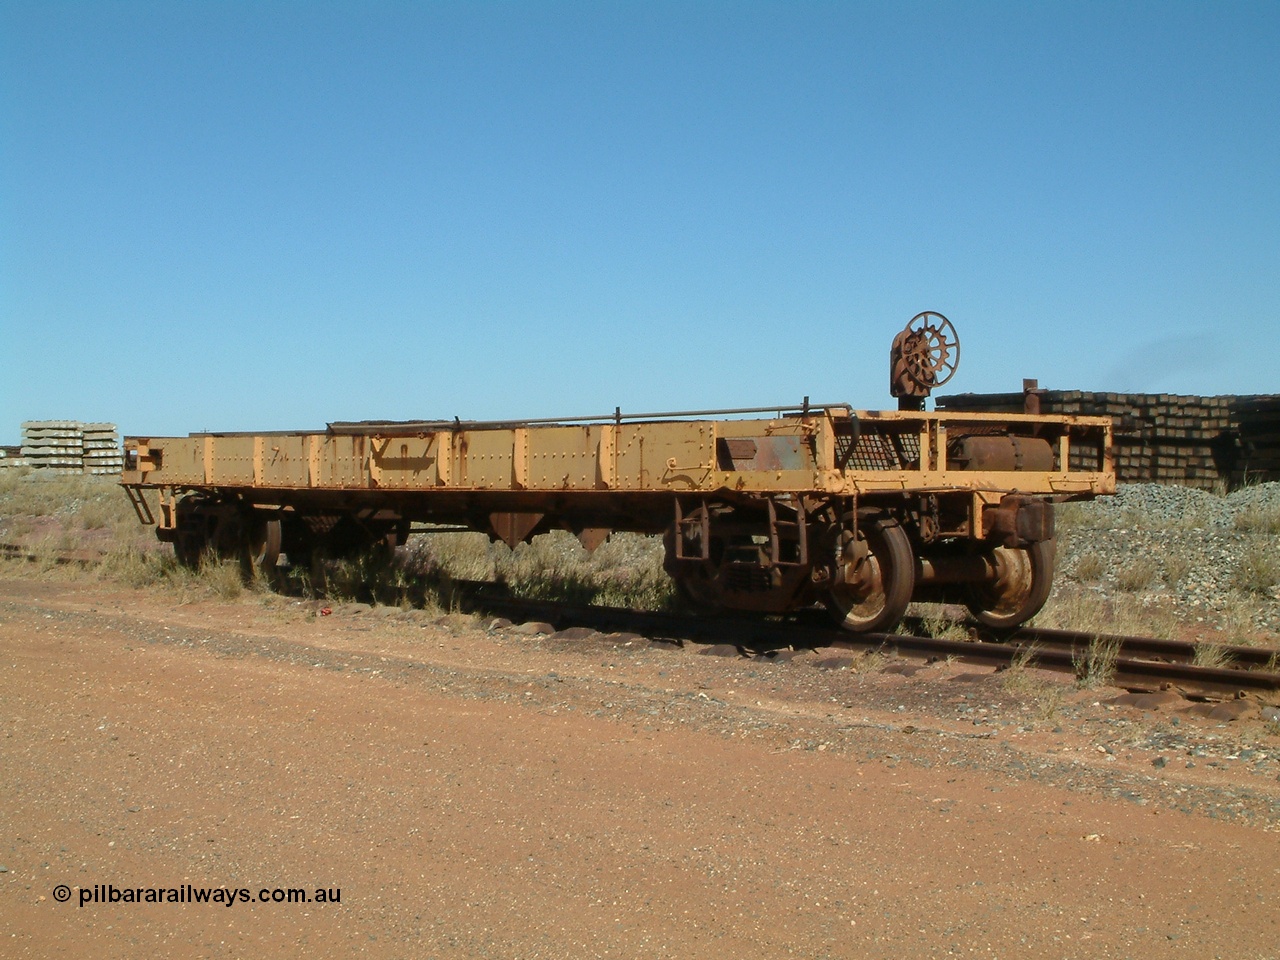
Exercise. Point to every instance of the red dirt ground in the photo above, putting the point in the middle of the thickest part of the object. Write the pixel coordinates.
(483, 793)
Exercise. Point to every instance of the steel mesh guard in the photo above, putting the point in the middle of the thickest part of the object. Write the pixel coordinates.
(877, 450)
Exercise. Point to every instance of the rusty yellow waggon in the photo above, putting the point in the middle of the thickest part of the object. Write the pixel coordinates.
(761, 509)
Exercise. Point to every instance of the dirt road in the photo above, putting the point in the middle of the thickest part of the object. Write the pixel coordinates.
(468, 793)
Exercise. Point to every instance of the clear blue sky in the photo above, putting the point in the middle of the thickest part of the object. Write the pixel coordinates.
(219, 215)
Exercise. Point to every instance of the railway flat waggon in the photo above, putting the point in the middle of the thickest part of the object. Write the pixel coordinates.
(766, 510)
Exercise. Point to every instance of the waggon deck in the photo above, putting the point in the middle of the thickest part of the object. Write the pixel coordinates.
(828, 450)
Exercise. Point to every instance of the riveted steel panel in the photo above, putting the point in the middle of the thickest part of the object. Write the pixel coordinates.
(407, 463)
(231, 461)
(486, 460)
(565, 458)
(284, 462)
(341, 463)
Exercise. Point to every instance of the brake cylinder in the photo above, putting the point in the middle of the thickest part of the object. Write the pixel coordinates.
(1000, 454)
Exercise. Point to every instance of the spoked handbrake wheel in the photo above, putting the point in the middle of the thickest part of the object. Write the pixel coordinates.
(931, 349)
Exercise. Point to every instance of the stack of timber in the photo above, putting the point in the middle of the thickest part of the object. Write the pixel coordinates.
(67, 447)
(1162, 438)
(1257, 422)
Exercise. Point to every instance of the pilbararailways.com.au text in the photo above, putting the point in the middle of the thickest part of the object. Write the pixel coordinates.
(109, 893)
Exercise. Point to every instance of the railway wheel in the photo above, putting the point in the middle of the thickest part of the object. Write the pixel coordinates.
(1023, 580)
(876, 577)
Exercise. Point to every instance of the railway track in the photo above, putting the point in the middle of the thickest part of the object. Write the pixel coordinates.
(15, 551)
(1153, 648)
(1136, 663)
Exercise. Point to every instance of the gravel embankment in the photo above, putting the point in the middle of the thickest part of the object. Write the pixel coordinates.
(1207, 556)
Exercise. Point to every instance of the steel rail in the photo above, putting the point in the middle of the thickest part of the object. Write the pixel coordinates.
(760, 636)
(1178, 651)
(345, 427)
(1255, 672)
(16, 551)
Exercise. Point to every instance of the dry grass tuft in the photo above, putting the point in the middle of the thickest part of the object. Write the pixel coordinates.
(1095, 666)
(379, 578)
(1176, 567)
(626, 571)
(1072, 607)
(1211, 655)
(137, 568)
(941, 627)
(1020, 680)
(1239, 620)
(1137, 575)
(1263, 519)
(463, 556)
(1072, 517)
(223, 578)
(870, 662)
(1259, 568)
(1090, 568)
